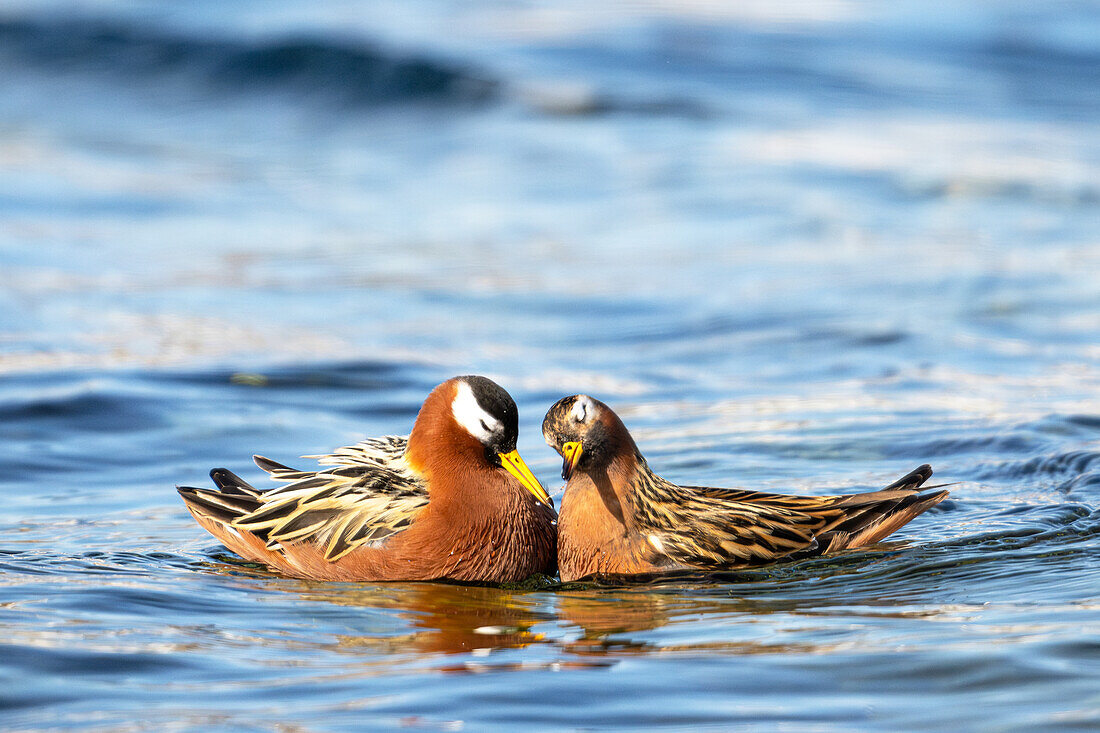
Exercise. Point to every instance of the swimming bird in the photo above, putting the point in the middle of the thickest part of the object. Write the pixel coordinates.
(618, 517)
(453, 499)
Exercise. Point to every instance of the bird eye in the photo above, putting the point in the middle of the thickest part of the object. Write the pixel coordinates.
(485, 427)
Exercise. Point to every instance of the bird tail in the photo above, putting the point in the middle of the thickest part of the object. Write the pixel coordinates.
(877, 515)
(233, 498)
(216, 509)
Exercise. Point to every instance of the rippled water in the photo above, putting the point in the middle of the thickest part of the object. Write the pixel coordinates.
(798, 250)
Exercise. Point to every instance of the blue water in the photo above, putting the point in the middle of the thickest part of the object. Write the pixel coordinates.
(798, 249)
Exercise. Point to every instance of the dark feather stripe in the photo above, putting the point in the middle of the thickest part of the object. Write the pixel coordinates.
(263, 516)
(311, 481)
(228, 481)
(338, 544)
(222, 506)
(913, 479)
(854, 522)
(296, 524)
(270, 466)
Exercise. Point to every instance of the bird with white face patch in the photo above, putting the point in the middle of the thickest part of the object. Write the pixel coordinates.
(618, 517)
(453, 499)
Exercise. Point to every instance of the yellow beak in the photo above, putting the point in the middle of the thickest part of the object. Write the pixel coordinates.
(571, 452)
(515, 466)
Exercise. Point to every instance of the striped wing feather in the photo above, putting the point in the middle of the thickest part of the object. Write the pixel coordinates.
(714, 528)
(368, 494)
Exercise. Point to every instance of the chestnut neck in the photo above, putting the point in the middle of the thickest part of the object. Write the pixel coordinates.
(618, 453)
(609, 488)
(441, 451)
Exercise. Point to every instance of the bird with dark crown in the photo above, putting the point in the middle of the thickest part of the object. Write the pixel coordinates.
(618, 517)
(453, 499)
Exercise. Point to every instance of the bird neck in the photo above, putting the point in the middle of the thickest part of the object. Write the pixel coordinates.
(606, 493)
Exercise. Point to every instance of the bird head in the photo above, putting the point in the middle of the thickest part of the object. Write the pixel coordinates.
(586, 432)
(484, 410)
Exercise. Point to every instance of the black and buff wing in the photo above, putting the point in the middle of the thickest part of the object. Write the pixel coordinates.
(368, 494)
(722, 528)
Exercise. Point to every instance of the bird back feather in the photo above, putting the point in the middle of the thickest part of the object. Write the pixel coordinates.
(369, 495)
(720, 528)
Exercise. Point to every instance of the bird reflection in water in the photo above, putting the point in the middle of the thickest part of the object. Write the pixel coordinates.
(585, 625)
(445, 618)
(616, 623)
(454, 620)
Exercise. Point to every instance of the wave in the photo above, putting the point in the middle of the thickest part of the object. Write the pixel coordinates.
(81, 407)
(1075, 463)
(348, 72)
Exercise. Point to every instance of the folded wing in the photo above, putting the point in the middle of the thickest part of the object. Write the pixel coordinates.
(365, 494)
(716, 528)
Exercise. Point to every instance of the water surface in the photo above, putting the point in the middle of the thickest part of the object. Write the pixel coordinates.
(797, 250)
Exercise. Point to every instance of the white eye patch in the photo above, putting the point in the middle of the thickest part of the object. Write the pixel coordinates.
(583, 409)
(472, 417)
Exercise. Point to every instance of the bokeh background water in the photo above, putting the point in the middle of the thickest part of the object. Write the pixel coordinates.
(799, 248)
